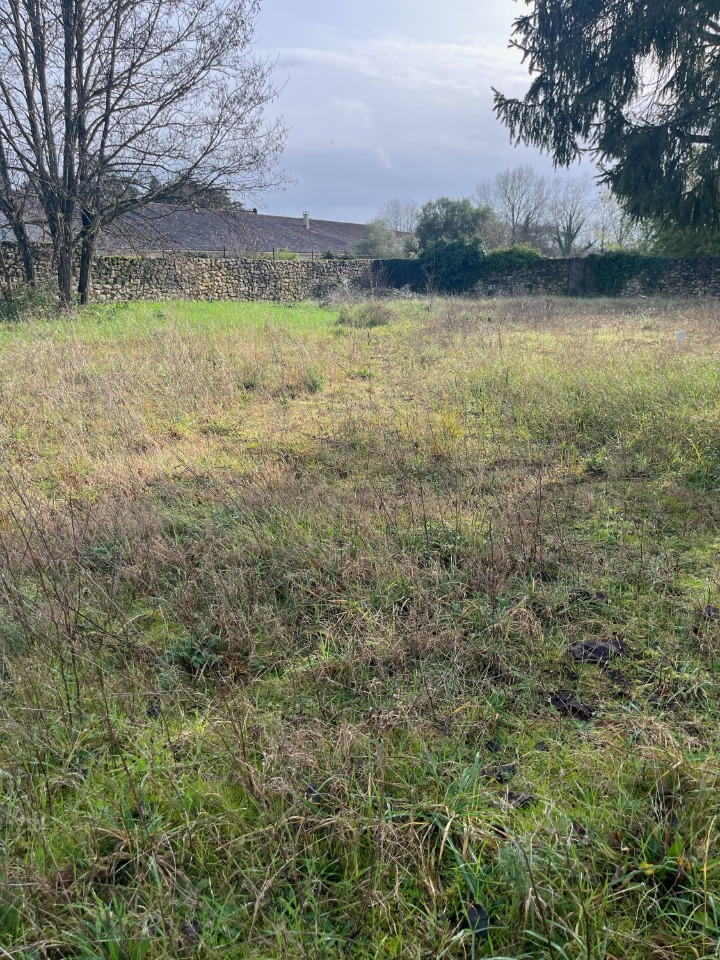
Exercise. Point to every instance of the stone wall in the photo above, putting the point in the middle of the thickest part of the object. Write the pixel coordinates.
(577, 277)
(554, 278)
(199, 278)
(692, 277)
(10, 260)
(190, 278)
(574, 277)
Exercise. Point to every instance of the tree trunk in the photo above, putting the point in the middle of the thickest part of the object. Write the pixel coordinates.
(86, 258)
(23, 244)
(6, 275)
(27, 259)
(64, 271)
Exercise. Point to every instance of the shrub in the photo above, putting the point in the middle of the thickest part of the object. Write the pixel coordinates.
(506, 260)
(26, 303)
(379, 242)
(397, 274)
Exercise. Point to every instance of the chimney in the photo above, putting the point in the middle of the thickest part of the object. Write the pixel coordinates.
(306, 218)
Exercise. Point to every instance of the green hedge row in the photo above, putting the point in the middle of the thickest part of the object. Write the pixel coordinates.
(456, 266)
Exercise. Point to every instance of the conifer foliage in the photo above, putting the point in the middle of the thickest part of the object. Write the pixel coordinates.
(636, 83)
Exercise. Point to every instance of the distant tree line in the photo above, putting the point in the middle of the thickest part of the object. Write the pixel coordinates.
(563, 217)
(636, 87)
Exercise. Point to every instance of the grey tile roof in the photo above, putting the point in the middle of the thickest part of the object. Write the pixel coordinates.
(165, 227)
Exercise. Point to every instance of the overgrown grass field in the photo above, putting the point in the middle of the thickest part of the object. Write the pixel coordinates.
(388, 630)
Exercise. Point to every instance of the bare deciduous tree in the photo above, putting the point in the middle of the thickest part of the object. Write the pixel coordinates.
(518, 198)
(380, 242)
(572, 206)
(614, 228)
(400, 214)
(494, 232)
(108, 105)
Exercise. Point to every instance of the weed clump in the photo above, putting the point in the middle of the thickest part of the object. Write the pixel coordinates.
(372, 313)
(313, 380)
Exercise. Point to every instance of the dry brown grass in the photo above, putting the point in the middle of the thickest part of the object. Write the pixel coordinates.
(285, 601)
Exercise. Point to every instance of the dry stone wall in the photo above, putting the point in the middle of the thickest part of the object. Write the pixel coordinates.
(10, 261)
(117, 278)
(578, 277)
(549, 277)
(219, 279)
(692, 277)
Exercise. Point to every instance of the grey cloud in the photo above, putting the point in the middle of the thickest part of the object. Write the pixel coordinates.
(353, 183)
(393, 102)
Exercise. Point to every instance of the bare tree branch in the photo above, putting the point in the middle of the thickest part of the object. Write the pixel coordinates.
(109, 105)
(400, 214)
(518, 198)
(573, 204)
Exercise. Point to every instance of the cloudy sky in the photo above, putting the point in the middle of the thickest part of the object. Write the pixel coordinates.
(390, 98)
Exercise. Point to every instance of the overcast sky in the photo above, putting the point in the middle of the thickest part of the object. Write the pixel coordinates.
(390, 98)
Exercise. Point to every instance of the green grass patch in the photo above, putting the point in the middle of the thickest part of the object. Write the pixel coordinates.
(372, 640)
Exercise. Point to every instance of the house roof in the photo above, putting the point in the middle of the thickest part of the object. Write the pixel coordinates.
(166, 227)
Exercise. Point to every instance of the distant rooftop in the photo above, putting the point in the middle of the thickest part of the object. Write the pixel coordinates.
(166, 228)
